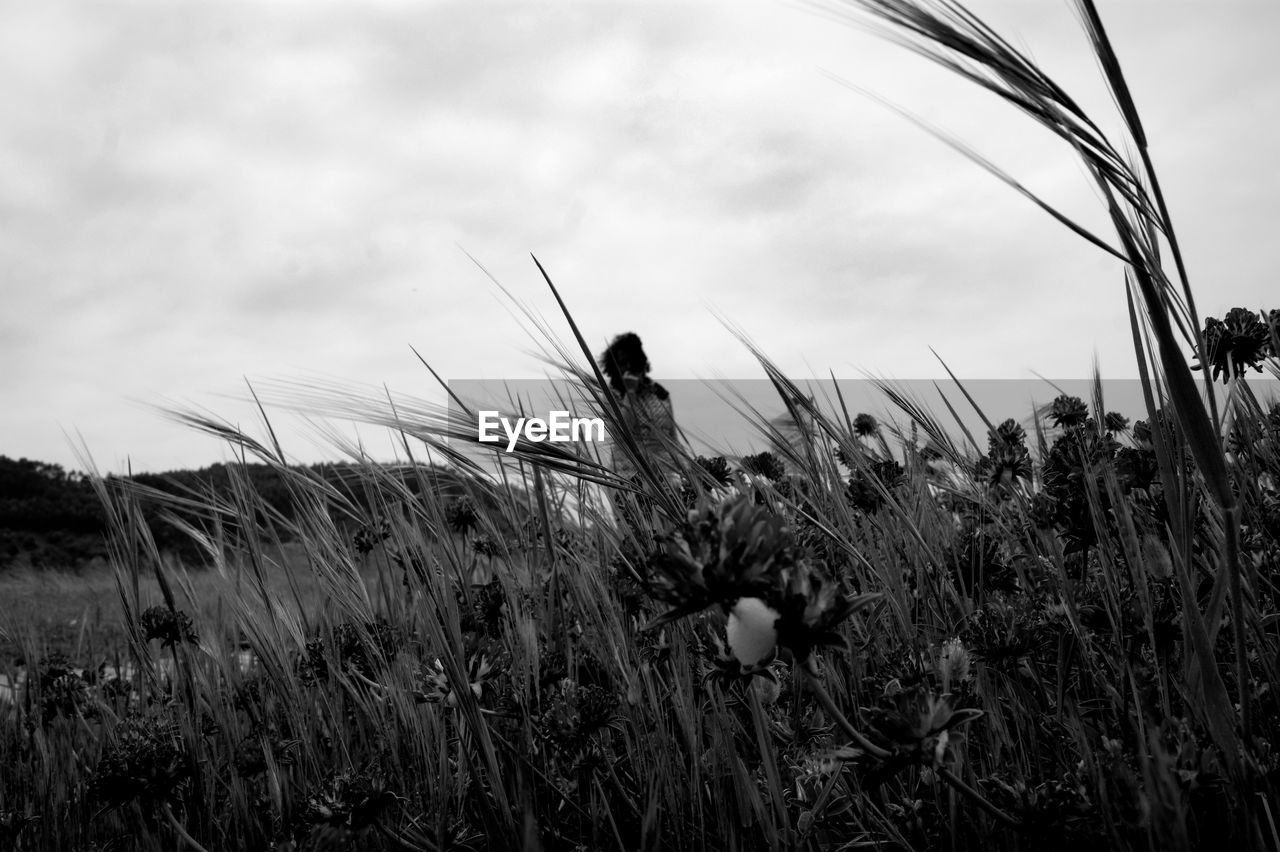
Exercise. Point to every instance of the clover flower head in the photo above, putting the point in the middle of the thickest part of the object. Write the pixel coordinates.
(350, 800)
(954, 663)
(485, 546)
(573, 713)
(717, 468)
(1004, 465)
(1238, 342)
(368, 536)
(1008, 434)
(461, 515)
(170, 626)
(1114, 421)
(440, 689)
(147, 760)
(915, 724)
(729, 671)
(764, 464)
(724, 553)
(811, 607)
(1068, 411)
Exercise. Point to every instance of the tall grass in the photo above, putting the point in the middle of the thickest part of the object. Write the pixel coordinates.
(1066, 639)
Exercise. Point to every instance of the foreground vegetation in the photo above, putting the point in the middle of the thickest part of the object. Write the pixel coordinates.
(1062, 634)
(990, 649)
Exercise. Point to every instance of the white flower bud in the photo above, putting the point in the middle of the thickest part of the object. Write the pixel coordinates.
(751, 632)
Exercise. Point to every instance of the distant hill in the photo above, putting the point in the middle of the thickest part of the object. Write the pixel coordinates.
(50, 518)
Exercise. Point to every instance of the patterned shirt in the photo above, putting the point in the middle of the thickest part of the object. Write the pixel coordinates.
(648, 415)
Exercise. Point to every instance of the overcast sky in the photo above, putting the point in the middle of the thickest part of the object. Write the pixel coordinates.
(196, 193)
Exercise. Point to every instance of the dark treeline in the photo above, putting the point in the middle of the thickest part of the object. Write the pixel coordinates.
(48, 517)
(52, 518)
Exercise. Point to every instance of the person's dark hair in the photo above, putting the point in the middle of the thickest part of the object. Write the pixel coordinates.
(624, 355)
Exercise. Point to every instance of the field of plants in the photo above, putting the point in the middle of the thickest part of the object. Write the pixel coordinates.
(898, 635)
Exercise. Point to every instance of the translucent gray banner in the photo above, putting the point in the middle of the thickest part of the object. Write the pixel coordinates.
(735, 418)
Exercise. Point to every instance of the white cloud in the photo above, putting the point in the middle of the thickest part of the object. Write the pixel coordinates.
(194, 192)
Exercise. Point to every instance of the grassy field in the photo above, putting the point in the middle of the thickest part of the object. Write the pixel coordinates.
(993, 650)
(61, 611)
(1061, 634)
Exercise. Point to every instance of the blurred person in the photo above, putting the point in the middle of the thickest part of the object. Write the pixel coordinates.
(647, 415)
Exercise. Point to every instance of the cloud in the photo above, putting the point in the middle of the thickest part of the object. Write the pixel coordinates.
(192, 193)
